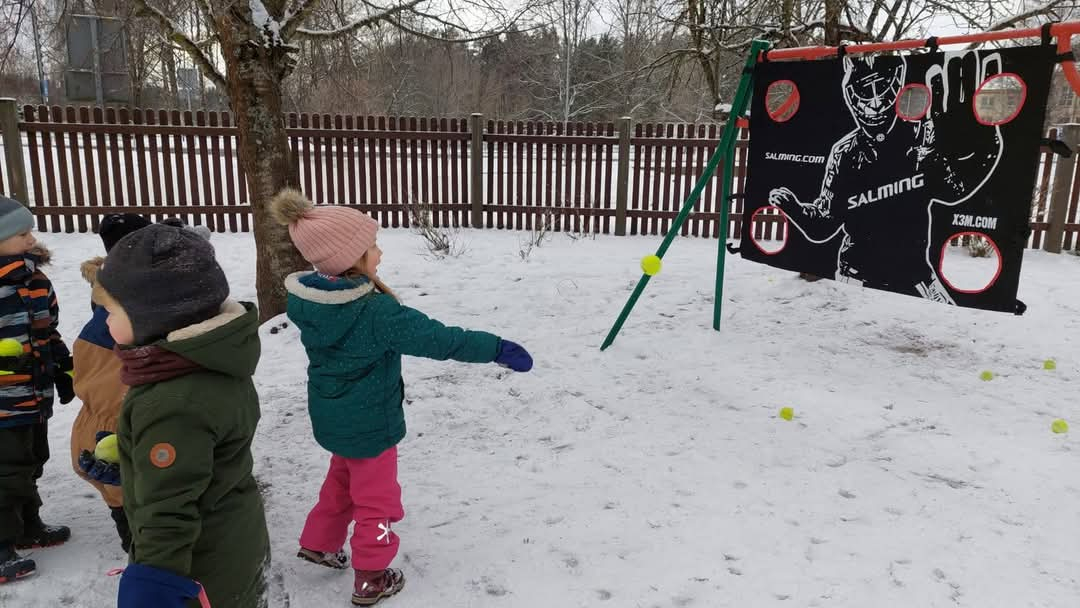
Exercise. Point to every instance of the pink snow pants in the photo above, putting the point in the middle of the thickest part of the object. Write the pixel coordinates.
(364, 490)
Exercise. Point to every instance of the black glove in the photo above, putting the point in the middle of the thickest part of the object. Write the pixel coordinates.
(64, 380)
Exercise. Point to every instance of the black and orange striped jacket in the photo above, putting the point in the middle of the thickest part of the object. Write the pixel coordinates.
(29, 314)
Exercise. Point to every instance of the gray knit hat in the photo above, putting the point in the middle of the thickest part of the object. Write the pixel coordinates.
(15, 219)
(165, 278)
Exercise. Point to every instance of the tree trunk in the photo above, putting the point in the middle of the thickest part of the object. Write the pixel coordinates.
(254, 74)
(833, 10)
(168, 65)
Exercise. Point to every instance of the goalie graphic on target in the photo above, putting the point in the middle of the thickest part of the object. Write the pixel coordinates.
(884, 176)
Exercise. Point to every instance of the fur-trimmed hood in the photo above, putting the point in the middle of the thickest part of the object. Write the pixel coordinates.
(90, 269)
(347, 293)
(227, 343)
(230, 311)
(42, 253)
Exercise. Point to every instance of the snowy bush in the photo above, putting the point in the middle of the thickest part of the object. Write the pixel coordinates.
(441, 242)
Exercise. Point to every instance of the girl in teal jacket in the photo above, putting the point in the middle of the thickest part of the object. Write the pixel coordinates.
(355, 331)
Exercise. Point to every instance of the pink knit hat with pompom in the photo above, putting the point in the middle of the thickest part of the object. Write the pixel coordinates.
(332, 238)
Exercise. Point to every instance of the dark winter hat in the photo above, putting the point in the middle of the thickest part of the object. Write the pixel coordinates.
(165, 278)
(118, 225)
(15, 219)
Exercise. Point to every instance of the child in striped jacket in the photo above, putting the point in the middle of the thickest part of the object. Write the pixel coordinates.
(33, 359)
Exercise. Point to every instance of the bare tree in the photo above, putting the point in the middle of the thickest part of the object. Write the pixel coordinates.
(570, 20)
(258, 42)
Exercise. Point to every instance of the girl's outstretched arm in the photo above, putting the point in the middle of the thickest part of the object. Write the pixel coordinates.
(411, 332)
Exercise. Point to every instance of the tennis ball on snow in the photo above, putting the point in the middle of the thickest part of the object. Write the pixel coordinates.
(107, 449)
(787, 413)
(1059, 426)
(651, 265)
(1049, 365)
(10, 347)
(986, 376)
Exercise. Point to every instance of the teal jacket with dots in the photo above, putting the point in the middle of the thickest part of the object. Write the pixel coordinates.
(354, 337)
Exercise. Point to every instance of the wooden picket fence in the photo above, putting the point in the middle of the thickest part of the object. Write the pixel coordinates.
(614, 177)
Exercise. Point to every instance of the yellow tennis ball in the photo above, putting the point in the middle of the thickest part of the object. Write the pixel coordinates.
(651, 265)
(986, 376)
(787, 413)
(1049, 365)
(1059, 426)
(10, 347)
(107, 449)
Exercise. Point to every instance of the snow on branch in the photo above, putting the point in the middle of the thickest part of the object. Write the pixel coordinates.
(368, 21)
(173, 33)
(268, 27)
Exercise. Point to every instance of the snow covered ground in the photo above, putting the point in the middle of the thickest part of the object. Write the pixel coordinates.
(658, 473)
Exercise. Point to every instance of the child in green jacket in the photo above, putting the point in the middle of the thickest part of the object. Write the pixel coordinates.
(355, 332)
(186, 426)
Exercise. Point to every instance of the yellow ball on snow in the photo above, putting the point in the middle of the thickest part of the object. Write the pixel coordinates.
(651, 265)
(1049, 365)
(987, 376)
(10, 347)
(107, 449)
(787, 413)
(1059, 426)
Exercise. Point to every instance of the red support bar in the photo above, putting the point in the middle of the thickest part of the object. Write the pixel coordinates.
(1062, 31)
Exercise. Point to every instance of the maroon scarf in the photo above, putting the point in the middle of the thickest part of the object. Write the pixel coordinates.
(150, 364)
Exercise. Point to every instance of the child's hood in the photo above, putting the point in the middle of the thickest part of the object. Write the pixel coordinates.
(227, 343)
(42, 253)
(316, 303)
(90, 268)
(18, 267)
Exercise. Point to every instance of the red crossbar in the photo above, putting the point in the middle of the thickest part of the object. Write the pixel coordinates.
(1062, 31)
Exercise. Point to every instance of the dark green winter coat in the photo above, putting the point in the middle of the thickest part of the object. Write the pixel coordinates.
(355, 337)
(185, 435)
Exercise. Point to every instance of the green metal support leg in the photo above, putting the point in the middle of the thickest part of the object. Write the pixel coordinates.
(723, 151)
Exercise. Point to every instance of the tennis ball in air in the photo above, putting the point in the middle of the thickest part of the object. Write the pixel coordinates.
(1050, 365)
(107, 449)
(986, 376)
(10, 347)
(787, 413)
(651, 265)
(1059, 426)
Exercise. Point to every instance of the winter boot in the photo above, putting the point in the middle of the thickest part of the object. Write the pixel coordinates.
(374, 585)
(12, 565)
(41, 535)
(337, 561)
(122, 527)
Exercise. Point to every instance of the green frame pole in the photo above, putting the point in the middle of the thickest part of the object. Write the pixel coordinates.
(728, 143)
(724, 150)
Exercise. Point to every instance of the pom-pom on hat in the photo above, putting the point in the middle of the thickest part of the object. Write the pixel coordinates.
(331, 238)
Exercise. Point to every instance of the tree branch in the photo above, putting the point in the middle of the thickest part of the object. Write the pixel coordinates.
(1024, 16)
(1021, 18)
(368, 21)
(420, 34)
(295, 20)
(173, 33)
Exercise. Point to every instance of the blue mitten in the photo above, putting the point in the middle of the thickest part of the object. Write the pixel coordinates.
(107, 473)
(513, 356)
(99, 470)
(145, 586)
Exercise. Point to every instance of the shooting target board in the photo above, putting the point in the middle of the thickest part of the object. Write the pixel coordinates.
(864, 168)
